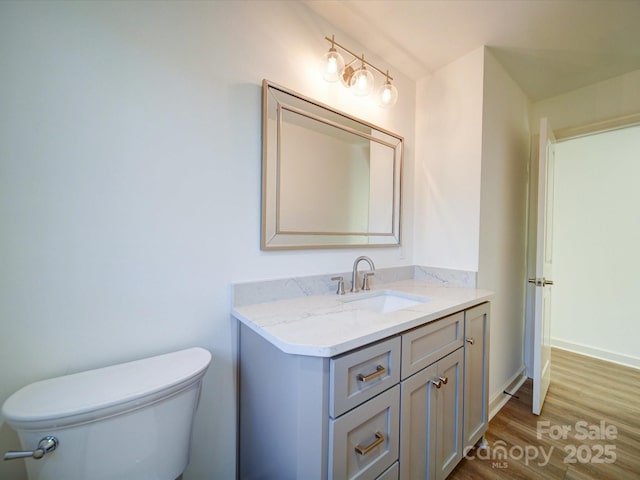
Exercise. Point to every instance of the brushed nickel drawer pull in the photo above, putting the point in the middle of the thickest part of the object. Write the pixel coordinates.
(470, 341)
(380, 370)
(437, 383)
(444, 380)
(378, 441)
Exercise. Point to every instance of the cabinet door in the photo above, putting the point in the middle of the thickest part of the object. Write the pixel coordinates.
(418, 425)
(476, 372)
(449, 414)
(431, 423)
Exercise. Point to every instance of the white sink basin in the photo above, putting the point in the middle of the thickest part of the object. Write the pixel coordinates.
(385, 301)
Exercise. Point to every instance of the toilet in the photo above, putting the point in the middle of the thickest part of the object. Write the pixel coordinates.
(130, 421)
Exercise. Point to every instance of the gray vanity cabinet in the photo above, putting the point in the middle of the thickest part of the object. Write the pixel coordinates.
(316, 418)
(388, 410)
(476, 374)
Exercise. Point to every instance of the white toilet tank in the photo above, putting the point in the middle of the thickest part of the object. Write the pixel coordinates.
(130, 421)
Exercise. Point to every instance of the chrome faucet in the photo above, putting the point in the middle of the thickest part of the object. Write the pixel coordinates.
(354, 274)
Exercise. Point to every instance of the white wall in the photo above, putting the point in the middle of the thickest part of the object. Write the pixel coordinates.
(448, 163)
(472, 150)
(612, 98)
(503, 218)
(130, 152)
(596, 237)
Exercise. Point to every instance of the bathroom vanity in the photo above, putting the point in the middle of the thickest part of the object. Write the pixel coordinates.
(386, 384)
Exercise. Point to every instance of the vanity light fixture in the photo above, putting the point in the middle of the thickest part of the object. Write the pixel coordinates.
(355, 74)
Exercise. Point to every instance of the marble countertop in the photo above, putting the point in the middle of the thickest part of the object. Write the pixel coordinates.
(328, 325)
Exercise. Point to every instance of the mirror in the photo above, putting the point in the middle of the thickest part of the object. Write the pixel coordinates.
(329, 180)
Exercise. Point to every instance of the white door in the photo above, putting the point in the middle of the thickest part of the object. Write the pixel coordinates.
(544, 274)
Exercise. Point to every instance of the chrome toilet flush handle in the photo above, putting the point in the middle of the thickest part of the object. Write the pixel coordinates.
(46, 445)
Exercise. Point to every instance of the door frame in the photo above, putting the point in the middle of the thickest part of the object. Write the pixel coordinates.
(567, 133)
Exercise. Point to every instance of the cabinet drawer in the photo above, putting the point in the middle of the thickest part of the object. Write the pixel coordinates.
(425, 345)
(358, 376)
(364, 442)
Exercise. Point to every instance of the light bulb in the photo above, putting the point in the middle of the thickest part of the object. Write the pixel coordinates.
(332, 65)
(362, 82)
(388, 94)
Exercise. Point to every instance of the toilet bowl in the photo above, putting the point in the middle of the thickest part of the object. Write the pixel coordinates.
(130, 421)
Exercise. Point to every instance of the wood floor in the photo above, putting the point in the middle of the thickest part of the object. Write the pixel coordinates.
(599, 394)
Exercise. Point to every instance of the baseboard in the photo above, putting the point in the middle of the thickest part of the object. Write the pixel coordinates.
(621, 359)
(499, 399)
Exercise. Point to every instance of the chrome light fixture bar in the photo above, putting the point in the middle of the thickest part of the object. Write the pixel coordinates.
(355, 74)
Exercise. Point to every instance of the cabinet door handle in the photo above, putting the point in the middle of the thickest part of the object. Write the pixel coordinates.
(444, 380)
(380, 370)
(378, 441)
(470, 341)
(437, 383)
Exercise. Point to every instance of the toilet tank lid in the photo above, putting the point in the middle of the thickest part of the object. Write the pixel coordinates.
(106, 387)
